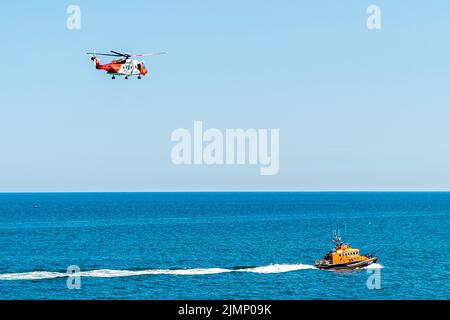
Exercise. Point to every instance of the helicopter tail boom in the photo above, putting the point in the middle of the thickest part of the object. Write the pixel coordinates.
(96, 62)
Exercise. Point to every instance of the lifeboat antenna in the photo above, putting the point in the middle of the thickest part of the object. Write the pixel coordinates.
(336, 237)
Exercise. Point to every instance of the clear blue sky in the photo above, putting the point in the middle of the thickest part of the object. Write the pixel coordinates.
(356, 109)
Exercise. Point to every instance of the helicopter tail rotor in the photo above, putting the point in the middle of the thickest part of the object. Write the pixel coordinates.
(94, 58)
(93, 55)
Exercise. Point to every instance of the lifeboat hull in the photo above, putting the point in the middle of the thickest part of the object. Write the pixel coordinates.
(349, 265)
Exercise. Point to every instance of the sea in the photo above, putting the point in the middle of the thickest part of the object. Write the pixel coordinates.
(159, 246)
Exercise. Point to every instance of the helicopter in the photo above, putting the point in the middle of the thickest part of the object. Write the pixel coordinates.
(123, 65)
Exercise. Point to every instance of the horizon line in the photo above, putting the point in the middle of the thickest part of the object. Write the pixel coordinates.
(235, 191)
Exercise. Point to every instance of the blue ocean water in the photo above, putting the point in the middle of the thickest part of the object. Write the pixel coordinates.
(221, 245)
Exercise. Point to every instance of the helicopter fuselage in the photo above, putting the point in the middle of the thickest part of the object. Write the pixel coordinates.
(122, 67)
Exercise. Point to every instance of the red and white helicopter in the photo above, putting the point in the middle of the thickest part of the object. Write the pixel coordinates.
(125, 66)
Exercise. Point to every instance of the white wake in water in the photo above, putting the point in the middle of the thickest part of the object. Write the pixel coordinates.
(35, 275)
(374, 266)
(277, 268)
(107, 273)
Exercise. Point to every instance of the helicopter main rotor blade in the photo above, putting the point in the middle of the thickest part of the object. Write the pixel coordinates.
(104, 54)
(121, 54)
(148, 54)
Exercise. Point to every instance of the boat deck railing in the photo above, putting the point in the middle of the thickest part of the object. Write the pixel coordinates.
(322, 262)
